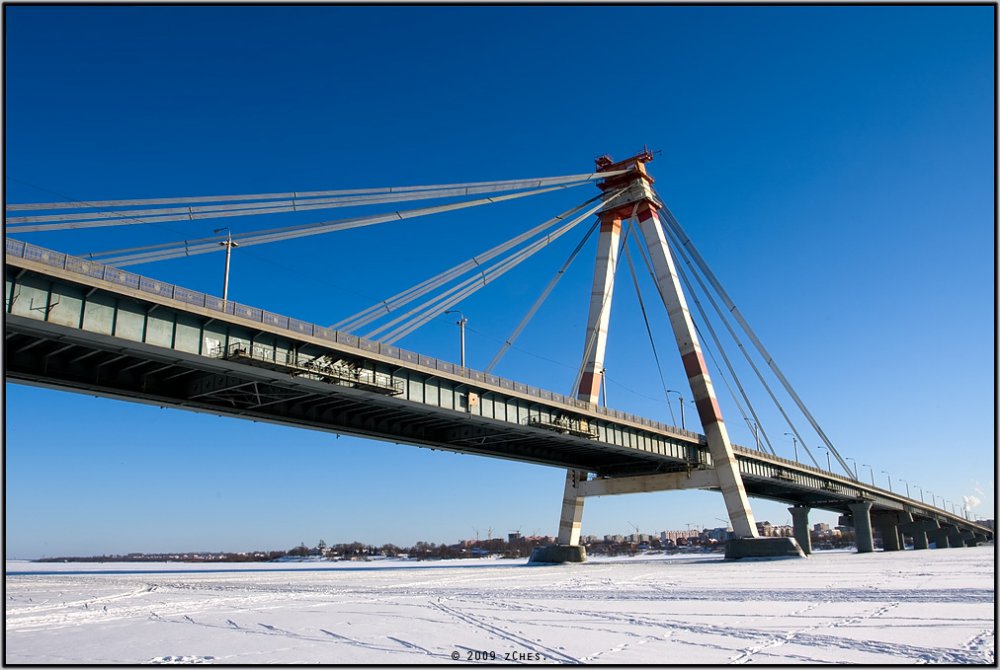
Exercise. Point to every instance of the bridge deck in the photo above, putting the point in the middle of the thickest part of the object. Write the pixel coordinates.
(78, 325)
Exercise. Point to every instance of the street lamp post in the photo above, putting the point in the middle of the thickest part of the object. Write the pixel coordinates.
(461, 331)
(680, 400)
(907, 486)
(795, 446)
(933, 499)
(829, 467)
(921, 492)
(228, 244)
(870, 471)
(888, 479)
(756, 433)
(855, 467)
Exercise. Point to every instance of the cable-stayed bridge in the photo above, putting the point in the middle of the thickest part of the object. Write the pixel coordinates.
(81, 323)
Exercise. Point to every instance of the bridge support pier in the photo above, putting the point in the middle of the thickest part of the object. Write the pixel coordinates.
(918, 531)
(888, 527)
(571, 517)
(955, 539)
(980, 538)
(800, 527)
(969, 538)
(861, 513)
(939, 536)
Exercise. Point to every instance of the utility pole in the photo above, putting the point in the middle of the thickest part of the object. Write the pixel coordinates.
(228, 244)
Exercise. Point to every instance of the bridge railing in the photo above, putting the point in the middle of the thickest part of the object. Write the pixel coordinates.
(96, 270)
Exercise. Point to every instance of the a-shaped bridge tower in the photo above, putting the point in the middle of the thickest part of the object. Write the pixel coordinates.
(639, 202)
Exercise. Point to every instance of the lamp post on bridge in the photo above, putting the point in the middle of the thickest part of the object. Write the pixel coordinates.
(228, 244)
(921, 492)
(461, 331)
(855, 467)
(933, 499)
(888, 479)
(795, 446)
(756, 432)
(829, 468)
(871, 471)
(680, 399)
(907, 486)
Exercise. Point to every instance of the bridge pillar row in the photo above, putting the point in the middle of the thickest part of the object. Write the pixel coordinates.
(861, 512)
(969, 538)
(955, 539)
(800, 527)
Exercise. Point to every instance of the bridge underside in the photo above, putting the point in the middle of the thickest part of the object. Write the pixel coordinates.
(44, 354)
(78, 326)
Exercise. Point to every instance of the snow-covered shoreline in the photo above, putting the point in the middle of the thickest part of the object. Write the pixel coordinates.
(903, 607)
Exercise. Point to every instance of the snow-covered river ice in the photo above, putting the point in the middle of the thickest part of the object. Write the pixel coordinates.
(934, 606)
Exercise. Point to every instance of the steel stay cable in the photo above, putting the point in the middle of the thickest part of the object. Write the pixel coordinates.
(732, 333)
(210, 244)
(731, 306)
(128, 217)
(528, 183)
(509, 341)
(649, 331)
(722, 351)
(384, 307)
(746, 355)
(476, 282)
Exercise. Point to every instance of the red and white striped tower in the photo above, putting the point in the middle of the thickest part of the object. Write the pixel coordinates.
(592, 367)
(596, 337)
(639, 201)
(719, 446)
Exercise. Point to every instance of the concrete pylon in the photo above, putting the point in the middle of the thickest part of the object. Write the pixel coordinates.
(669, 286)
(861, 513)
(955, 539)
(969, 538)
(591, 369)
(800, 527)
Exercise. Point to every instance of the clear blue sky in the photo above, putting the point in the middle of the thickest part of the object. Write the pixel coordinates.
(835, 165)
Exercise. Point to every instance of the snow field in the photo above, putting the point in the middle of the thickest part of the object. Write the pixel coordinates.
(934, 606)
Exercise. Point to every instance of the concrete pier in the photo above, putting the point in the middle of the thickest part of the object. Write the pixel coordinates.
(800, 526)
(559, 553)
(939, 536)
(763, 547)
(918, 531)
(861, 512)
(888, 528)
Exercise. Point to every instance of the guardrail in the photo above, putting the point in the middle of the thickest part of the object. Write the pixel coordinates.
(96, 270)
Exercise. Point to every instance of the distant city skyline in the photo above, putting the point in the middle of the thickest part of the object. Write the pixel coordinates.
(834, 164)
